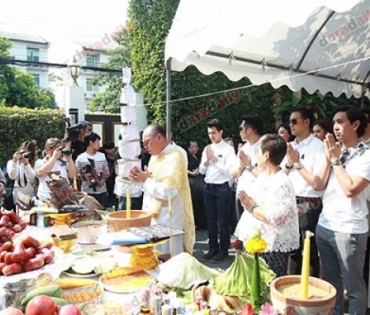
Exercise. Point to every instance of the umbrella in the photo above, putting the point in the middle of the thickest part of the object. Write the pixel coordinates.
(317, 45)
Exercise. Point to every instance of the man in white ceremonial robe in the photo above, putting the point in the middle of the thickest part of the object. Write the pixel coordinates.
(166, 177)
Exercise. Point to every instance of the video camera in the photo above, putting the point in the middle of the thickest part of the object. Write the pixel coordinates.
(73, 131)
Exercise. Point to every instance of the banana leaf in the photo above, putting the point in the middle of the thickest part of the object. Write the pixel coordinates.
(237, 279)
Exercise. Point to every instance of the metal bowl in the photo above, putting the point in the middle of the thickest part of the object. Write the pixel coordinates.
(88, 231)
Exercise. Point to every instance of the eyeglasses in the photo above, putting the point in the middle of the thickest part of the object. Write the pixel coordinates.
(293, 121)
(147, 141)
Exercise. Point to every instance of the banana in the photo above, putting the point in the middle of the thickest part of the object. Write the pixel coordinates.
(53, 290)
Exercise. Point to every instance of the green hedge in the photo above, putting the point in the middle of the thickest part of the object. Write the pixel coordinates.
(21, 124)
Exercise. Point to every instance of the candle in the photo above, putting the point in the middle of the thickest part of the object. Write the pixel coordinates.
(170, 215)
(128, 205)
(306, 266)
(75, 187)
(169, 205)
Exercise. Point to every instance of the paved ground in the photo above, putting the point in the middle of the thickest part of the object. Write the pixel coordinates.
(201, 247)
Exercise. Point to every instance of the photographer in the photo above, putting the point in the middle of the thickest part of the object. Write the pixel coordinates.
(94, 170)
(21, 170)
(58, 160)
(76, 135)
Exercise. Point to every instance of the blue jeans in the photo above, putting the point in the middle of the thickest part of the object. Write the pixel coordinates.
(342, 256)
(216, 201)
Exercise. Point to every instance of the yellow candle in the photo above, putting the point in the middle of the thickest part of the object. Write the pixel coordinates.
(75, 187)
(128, 205)
(169, 205)
(170, 215)
(306, 266)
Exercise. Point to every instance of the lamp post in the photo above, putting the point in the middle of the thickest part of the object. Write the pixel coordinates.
(75, 104)
(74, 70)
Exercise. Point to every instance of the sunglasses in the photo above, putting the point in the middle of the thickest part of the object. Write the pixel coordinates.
(293, 121)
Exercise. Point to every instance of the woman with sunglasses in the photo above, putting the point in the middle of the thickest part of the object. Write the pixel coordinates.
(20, 169)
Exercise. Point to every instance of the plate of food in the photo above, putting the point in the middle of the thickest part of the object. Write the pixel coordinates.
(125, 280)
(71, 273)
(90, 264)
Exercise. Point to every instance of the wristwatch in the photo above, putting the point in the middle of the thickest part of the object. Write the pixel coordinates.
(336, 162)
(249, 167)
(298, 166)
(288, 167)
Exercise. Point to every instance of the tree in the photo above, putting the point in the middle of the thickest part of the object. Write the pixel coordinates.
(119, 57)
(149, 23)
(18, 88)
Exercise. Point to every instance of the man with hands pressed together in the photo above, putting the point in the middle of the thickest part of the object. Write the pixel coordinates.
(305, 156)
(216, 164)
(166, 177)
(342, 229)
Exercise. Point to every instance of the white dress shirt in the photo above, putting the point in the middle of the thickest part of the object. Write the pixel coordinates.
(311, 156)
(219, 172)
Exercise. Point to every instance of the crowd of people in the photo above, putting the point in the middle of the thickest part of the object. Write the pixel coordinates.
(310, 175)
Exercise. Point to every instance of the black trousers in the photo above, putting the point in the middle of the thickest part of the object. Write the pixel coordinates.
(309, 210)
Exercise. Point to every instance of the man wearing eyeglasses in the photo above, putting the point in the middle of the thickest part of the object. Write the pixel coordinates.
(305, 156)
(166, 178)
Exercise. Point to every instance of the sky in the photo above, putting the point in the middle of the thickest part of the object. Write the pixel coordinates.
(62, 22)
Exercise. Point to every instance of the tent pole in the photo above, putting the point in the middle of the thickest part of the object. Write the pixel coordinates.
(363, 92)
(168, 99)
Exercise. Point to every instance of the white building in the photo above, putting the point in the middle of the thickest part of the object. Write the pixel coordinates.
(33, 49)
(85, 57)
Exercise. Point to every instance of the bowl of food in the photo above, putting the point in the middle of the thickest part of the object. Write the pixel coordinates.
(88, 231)
(118, 220)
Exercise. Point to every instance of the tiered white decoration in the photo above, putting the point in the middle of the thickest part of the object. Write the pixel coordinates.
(129, 147)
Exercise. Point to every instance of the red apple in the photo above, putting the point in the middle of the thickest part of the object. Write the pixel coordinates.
(69, 310)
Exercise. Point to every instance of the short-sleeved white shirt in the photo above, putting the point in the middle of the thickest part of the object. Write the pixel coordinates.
(246, 179)
(341, 213)
(311, 156)
(43, 192)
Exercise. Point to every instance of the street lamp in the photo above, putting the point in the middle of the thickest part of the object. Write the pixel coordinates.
(74, 70)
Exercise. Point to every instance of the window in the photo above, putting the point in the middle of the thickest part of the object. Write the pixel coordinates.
(90, 87)
(36, 79)
(33, 54)
(92, 61)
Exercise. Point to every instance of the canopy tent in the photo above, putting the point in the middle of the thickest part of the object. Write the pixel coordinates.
(317, 45)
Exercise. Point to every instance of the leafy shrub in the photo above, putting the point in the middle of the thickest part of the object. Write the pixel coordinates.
(21, 124)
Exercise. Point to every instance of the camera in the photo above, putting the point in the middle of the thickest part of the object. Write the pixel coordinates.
(65, 150)
(27, 155)
(73, 131)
